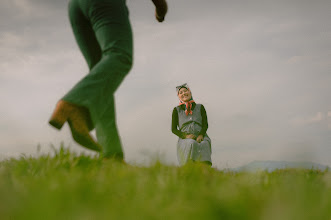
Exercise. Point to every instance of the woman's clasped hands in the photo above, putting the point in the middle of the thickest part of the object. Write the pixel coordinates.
(192, 136)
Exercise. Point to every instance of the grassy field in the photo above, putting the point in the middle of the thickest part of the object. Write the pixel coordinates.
(71, 186)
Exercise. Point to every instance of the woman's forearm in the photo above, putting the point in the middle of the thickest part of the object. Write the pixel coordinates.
(178, 133)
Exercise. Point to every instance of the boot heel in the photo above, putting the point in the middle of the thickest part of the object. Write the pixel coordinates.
(57, 123)
(60, 115)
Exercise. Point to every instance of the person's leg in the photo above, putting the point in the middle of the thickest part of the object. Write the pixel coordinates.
(71, 111)
(184, 149)
(84, 33)
(196, 151)
(107, 133)
(187, 150)
(109, 20)
(205, 151)
(88, 45)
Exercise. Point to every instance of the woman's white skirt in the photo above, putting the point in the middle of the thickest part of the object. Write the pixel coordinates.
(191, 150)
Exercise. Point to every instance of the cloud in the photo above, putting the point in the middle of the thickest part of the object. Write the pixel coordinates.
(33, 8)
(301, 121)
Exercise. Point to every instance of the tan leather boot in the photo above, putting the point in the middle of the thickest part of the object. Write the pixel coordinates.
(76, 116)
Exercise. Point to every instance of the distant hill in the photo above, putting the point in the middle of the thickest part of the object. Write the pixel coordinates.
(274, 165)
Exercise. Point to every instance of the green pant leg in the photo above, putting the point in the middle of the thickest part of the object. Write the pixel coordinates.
(107, 133)
(84, 34)
(95, 91)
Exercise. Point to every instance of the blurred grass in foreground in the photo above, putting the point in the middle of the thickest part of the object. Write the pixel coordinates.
(71, 186)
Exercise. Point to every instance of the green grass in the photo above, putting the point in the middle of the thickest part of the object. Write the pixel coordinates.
(71, 186)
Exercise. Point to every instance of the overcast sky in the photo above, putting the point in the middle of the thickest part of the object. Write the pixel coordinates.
(262, 69)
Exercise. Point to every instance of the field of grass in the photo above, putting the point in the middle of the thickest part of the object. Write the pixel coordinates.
(71, 186)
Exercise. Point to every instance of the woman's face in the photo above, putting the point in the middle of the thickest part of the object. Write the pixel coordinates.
(184, 95)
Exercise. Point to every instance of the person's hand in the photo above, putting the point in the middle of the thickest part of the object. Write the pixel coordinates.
(190, 136)
(161, 10)
(200, 138)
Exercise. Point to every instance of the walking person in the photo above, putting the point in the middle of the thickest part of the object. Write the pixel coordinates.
(190, 124)
(103, 33)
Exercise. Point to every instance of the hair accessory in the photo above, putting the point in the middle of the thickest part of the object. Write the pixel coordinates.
(182, 86)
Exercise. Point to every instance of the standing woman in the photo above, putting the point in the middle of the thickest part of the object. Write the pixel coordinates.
(103, 33)
(189, 123)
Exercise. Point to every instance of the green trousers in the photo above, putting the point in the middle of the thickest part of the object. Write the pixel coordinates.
(103, 34)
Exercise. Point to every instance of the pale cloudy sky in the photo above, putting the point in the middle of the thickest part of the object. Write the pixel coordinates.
(262, 69)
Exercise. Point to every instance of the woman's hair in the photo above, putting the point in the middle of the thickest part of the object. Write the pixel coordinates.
(182, 86)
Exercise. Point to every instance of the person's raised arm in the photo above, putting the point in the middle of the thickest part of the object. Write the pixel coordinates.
(161, 9)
